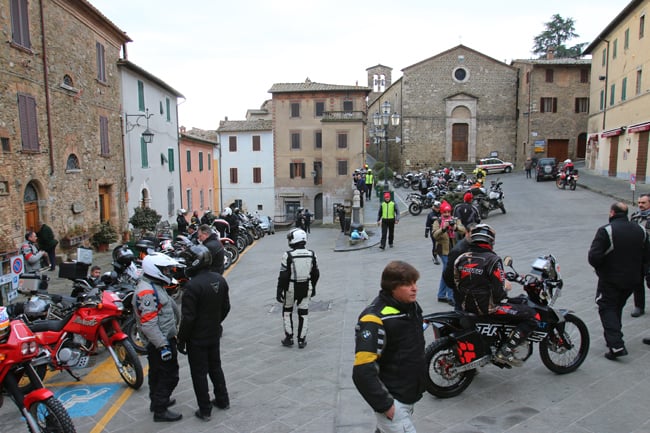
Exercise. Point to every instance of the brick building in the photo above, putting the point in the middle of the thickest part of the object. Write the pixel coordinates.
(62, 155)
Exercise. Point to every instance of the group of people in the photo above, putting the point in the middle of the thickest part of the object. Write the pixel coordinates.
(39, 249)
(363, 180)
(303, 219)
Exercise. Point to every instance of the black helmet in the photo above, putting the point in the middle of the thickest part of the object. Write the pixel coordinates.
(123, 255)
(196, 257)
(483, 233)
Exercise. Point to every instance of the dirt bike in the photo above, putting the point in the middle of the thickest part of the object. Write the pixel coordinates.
(40, 409)
(69, 342)
(563, 179)
(490, 200)
(464, 341)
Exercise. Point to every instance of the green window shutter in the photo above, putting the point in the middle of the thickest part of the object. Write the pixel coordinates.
(141, 96)
(143, 153)
(170, 158)
(169, 114)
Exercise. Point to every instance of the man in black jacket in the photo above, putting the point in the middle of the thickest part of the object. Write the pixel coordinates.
(205, 305)
(389, 367)
(619, 254)
(211, 240)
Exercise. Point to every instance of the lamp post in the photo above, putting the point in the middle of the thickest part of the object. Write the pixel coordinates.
(147, 135)
(381, 122)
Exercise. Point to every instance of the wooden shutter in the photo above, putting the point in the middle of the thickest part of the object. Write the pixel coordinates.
(103, 135)
(28, 123)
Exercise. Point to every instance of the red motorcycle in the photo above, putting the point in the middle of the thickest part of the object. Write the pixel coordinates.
(71, 340)
(40, 409)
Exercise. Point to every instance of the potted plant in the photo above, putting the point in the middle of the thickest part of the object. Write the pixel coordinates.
(104, 234)
(73, 237)
(145, 220)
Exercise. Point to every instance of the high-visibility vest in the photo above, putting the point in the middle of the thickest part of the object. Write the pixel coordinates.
(369, 178)
(388, 210)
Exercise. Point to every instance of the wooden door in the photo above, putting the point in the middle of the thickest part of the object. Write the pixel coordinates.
(642, 158)
(459, 141)
(31, 216)
(581, 146)
(558, 149)
(104, 203)
(613, 156)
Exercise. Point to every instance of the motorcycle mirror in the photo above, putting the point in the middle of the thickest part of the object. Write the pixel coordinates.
(507, 260)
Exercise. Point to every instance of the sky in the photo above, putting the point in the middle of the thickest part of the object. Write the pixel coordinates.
(224, 56)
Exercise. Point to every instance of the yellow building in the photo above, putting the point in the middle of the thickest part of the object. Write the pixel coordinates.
(619, 115)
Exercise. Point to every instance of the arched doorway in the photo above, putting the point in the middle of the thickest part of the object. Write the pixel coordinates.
(30, 204)
(318, 206)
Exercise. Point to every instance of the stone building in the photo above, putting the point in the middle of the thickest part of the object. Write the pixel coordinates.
(553, 106)
(455, 107)
(318, 141)
(619, 115)
(62, 153)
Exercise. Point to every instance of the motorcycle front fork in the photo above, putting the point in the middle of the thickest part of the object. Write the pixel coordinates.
(10, 384)
(107, 343)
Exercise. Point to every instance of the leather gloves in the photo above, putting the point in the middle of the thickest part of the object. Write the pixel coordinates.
(181, 347)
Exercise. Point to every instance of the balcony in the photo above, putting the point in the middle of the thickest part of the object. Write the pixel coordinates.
(344, 116)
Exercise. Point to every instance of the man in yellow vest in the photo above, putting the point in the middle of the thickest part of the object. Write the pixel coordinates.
(369, 182)
(387, 216)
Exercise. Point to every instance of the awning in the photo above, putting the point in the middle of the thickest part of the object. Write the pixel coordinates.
(639, 127)
(593, 137)
(612, 133)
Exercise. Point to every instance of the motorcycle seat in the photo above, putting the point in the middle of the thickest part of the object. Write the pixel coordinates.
(46, 325)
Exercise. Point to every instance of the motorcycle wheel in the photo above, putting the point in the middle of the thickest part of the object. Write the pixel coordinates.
(483, 212)
(572, 185)
(132, 369)
(503, 208)
(241, 243)
(131, 330)
(415, 209)
(233, 251)
(51, 416)
(440, 358)
(566, 346)
(559, 183)
(397, 183)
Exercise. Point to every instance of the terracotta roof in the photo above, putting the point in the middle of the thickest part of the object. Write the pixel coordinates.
(310, 86)
(245, 125)
(138, 70)
(201, 134)
(557, 61)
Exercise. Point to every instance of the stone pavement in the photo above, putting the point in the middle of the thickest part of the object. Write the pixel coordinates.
(275, 389)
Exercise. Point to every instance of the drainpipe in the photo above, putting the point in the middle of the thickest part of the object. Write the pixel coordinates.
(606, 81)
(46, 86)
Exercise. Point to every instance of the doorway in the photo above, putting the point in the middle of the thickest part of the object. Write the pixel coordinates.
(459, 141)
(104, 203)
(613, 156)
(30, 206)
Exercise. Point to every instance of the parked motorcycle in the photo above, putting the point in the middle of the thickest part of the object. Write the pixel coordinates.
(417, 202)
(489, 200)
(464, 341)
(563, 179)
(40, 409)
(69, 342)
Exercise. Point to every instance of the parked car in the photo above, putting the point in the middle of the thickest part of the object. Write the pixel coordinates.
(494, 165)
(546, 169)
(267, 224)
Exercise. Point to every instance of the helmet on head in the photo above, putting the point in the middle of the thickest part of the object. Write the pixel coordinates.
(159, 267)
(483, 233)
(196, 257)
(227, 211)
(445, 207)
(123, 256)
(436, 204)
(166, 245)
(4, 324)
(370, 170)
(467, 198)
(182, 211)
(296, 236)
(567, 161)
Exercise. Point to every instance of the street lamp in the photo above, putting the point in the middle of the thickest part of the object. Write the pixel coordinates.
(147, 135)
(381, 122)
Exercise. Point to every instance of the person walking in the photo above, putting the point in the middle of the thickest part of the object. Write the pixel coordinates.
(307, 219)
(370, 181)
(205, 305)
(298, 268)
(528, 166)
(211, 240)
(157, 317)
(428, 226)
(641, 217)
(389, 366)
(447, 230)
(619, 253)
(466, 212)
(361, 187)
(31, 253)
(47, 243)
(181, 222)
(387, 217)
(340, 212)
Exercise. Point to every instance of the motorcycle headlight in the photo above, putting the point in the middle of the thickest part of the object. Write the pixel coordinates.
(28, 348)
(119, 305)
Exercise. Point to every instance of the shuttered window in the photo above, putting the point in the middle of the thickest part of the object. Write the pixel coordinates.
(28, 123)
(144, 153)
(233, 175)
(256, 143)
(20, 23)
(257, 175)
(103, 136)
(297, 169)
(170, 159)
(101, 63)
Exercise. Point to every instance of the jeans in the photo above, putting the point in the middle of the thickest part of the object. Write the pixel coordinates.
(444, 291)
(402, 421)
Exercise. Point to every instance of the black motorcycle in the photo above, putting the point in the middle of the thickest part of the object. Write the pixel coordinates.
(489, 200)
(463, 341)
(417, 202)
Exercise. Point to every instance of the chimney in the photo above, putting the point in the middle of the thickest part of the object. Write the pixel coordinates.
(550, 53)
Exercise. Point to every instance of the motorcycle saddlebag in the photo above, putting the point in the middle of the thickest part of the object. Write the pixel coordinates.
(469, 345)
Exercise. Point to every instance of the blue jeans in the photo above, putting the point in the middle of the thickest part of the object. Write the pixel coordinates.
(444, 291)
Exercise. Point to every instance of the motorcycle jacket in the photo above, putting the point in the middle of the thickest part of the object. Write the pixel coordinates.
(467, 214)
(182, 223)
(431, 218)
(299, 267)
(32, 256)
(389, 355)
(215, 246)
(205, 304)
(480, 279)
(156, 312)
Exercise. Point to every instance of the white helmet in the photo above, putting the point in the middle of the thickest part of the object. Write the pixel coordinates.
(227, 211)
(159, 267)
(567, 161)
(295, 236)
(182, 211)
